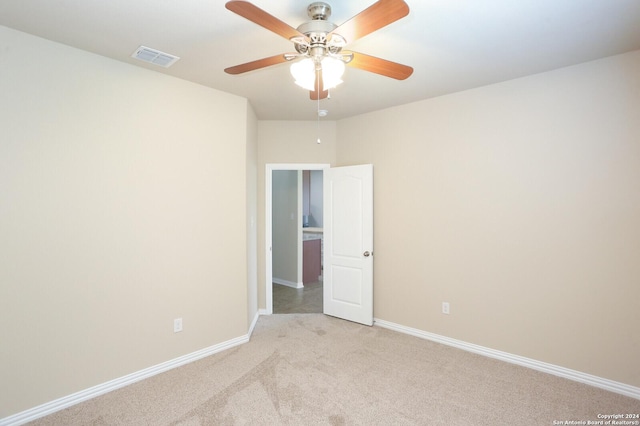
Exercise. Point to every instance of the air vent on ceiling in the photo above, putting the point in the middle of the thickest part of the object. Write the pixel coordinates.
(154, 56)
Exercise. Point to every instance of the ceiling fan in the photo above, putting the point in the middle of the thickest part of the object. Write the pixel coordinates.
(319, 43)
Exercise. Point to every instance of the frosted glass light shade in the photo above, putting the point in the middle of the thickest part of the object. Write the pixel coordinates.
(332, 70)
(304, 73)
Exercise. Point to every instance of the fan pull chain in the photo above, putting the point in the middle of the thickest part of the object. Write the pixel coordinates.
(318, 103)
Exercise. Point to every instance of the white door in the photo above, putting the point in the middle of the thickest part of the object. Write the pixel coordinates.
(348, 243)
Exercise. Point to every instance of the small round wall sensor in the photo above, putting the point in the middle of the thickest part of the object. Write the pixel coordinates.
(323, 112)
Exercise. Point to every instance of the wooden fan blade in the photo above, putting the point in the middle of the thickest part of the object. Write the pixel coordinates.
(254, 65)
(319, 92)
(322, 95)
(379, 66)
(376, 16)
(262, 18)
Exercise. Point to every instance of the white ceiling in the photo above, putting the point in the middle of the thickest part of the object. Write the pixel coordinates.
(452, 45)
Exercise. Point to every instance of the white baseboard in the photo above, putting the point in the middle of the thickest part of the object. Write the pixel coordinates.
(255, 320)
(287, 283)
(599, 382)
(76, 398)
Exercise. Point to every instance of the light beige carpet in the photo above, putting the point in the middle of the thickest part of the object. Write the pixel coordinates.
(310, 369)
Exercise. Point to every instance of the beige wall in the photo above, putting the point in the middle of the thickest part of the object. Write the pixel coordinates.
(519, 204)
(252, 214)
(288, 142)
(123, 206)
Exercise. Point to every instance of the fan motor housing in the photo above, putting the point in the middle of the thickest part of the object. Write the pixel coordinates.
(316, 26)
(317, 29)
(319, 12)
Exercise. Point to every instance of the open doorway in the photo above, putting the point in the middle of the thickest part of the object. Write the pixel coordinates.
(291, 241)
(297, 283)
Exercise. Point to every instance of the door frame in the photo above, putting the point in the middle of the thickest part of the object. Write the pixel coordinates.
(268, 238)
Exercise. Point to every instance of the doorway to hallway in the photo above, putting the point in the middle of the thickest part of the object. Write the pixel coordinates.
(284, 236)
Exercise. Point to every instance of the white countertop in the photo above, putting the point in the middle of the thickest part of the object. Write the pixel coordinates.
(313, 230)
(311, 234)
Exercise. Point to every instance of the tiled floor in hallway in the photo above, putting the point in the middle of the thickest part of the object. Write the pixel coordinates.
(307, 300)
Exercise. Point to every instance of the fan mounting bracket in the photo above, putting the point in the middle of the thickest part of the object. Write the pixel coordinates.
(319, 11)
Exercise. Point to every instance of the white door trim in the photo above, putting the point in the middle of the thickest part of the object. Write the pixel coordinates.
(270, 167)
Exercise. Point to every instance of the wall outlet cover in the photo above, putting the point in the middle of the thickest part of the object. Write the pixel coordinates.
(177, 325)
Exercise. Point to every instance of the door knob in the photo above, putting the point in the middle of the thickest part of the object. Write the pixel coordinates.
(366, 253)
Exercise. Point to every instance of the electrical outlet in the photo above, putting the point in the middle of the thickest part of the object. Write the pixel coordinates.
(445, 308)
(177, 325)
